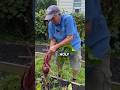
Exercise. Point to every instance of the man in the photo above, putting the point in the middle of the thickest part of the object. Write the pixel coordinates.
(62, 31)
(97, 39)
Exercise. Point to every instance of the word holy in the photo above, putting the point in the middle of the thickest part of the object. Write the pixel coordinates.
(64, 54)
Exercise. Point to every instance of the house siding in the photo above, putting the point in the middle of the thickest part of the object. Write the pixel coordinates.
(68, 6)
(65, 5)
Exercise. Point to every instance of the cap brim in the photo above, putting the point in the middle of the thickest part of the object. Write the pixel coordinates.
(48, 17)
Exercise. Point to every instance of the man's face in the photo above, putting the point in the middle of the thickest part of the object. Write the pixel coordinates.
(56, 19)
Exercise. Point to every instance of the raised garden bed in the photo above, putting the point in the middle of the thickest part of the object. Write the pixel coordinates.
(15, 53)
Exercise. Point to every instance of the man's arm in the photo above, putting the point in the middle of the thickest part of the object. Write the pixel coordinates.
(52, 42)
(64, 42)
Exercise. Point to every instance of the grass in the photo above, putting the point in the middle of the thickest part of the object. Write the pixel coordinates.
(66, 71)
(41, 43)
(9, 81)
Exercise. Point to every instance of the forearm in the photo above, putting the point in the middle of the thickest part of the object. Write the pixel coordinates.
(52, 42)
(65, 41)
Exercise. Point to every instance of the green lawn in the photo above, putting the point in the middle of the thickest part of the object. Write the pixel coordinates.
(9, 81)
(67, 72)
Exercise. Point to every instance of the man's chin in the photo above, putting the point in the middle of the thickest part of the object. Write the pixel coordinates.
(56, 23)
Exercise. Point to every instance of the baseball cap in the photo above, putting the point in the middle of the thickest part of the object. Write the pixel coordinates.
(51, 11)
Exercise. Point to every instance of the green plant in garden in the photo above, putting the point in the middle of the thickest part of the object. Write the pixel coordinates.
(40, 27)
(67, 70)
(80, 21)
(12, 8)
(9, 81)
(44, 4)
(16, 19)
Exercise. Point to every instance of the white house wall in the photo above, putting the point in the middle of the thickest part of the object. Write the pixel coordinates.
(66, 5)
(83, 6)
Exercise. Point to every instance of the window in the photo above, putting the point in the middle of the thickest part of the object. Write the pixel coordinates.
(77, 0)
(77, 3)
(77, 10)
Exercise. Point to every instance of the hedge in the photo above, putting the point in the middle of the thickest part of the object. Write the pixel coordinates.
(16, 18)
(40, 27)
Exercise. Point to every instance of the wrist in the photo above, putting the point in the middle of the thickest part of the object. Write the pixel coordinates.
(57, 46)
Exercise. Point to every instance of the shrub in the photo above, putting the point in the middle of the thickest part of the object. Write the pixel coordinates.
(16, 18)
(40, 27)
(80, 21)
(44, 4)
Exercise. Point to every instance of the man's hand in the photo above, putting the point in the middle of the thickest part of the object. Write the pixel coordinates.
(52, 42)
(55, 46)
(53, 49)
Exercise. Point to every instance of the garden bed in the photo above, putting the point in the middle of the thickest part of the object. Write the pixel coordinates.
(14, 61)
(15, 53)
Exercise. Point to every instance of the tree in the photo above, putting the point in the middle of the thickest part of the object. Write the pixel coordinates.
(16, 17)
(43, 4)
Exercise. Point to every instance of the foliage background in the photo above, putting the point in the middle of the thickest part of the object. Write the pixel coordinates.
(16, 18)
(111, 9)
(16, 24)
(43, 4)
